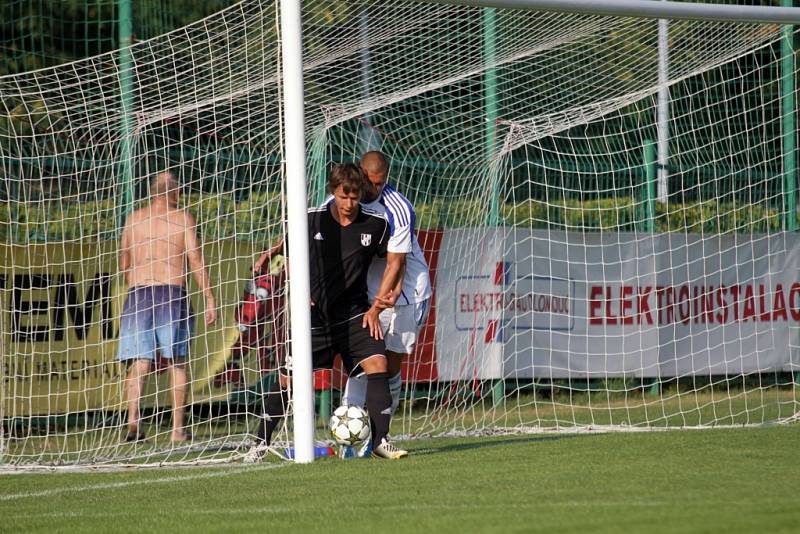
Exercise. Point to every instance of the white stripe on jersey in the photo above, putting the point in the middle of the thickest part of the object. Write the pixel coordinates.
(365, 209)
(416, 282)
(374, 213)
(398, 208)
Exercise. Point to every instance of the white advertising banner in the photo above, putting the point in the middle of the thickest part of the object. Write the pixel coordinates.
(470, 305)
(525, 303)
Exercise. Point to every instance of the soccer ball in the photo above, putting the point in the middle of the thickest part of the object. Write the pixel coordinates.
(349, 425)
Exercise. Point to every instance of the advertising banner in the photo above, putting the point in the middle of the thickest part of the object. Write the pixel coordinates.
(537, 303)
(59, 310)
(507, 302)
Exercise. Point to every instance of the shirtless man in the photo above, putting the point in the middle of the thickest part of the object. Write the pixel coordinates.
(157, 242)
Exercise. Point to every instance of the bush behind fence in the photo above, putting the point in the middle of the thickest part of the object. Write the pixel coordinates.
(258, 217)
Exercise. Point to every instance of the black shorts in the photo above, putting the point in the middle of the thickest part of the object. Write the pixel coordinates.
(348, 339)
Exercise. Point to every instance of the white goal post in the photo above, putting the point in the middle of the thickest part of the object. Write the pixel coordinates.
(648, 9)
(297, 225)
(619, 8)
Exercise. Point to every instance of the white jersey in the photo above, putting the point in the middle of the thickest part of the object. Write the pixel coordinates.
(403, 239)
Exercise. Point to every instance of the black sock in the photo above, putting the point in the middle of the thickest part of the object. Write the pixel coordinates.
(274, 410)
(379, 406)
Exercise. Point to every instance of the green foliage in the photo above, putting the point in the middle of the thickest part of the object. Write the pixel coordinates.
(527, 213)
(259, 217)
(695, 218)
(43, 33)
(38, 33)
(744, 218)
(428, 214)
(626, 214)
(614, 214)
(463, 213)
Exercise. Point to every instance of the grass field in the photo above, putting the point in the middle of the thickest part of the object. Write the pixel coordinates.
(724, 480)
(228, 436)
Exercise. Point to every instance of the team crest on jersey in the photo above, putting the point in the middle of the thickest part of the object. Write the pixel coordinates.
(366, 239)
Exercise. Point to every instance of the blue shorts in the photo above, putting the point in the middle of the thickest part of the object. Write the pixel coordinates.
(155, 317)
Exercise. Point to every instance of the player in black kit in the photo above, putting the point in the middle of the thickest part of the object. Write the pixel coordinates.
(343, 238)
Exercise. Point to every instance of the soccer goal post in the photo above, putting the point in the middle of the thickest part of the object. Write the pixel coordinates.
(646, 9)
(583, 279)
(297, 224)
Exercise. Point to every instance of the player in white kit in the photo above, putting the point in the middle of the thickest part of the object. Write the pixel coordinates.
(401, 323)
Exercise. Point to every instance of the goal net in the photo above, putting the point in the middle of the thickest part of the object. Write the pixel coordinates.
(585, 275)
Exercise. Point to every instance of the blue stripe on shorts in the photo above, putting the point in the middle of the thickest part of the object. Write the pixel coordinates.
(155, 318)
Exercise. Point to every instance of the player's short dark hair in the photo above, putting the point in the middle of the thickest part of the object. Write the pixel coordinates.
(349, 176)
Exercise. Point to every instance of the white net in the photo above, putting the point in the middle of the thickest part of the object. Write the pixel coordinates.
(80, 144)
(566, 295)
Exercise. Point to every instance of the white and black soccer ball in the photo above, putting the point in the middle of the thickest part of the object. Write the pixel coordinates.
(349, 425)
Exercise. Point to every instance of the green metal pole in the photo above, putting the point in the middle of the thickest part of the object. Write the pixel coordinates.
(125, 26)
(650, 181)
(490, 103)
(788, 123)
(789, 136)
(325, 405)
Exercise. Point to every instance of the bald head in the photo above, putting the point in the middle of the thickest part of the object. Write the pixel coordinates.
(163, 183)
(376, 169)
(374, 162)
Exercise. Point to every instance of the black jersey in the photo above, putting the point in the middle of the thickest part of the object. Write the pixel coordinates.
(339, 259)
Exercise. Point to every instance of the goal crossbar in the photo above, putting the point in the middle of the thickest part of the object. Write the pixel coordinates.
(647, 9)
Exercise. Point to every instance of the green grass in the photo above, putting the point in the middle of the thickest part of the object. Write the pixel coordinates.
(725, 480)
(217, 437)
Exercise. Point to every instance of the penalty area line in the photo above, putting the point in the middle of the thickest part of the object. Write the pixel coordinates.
(125, 484)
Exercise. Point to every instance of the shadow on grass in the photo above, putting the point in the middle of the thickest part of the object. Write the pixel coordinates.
(495, 442)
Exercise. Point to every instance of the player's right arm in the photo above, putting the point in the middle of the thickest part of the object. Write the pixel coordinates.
(387, 293)
(398, 247)
(392, 275)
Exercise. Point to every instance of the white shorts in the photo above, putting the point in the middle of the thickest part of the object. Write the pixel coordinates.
(401, 325)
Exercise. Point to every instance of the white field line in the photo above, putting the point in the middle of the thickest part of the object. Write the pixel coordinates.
(116, 485)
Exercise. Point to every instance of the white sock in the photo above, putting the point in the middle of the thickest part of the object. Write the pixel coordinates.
(395, 386)
(355, 391)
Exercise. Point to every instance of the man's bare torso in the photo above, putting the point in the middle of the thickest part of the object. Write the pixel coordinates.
(156, 240)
